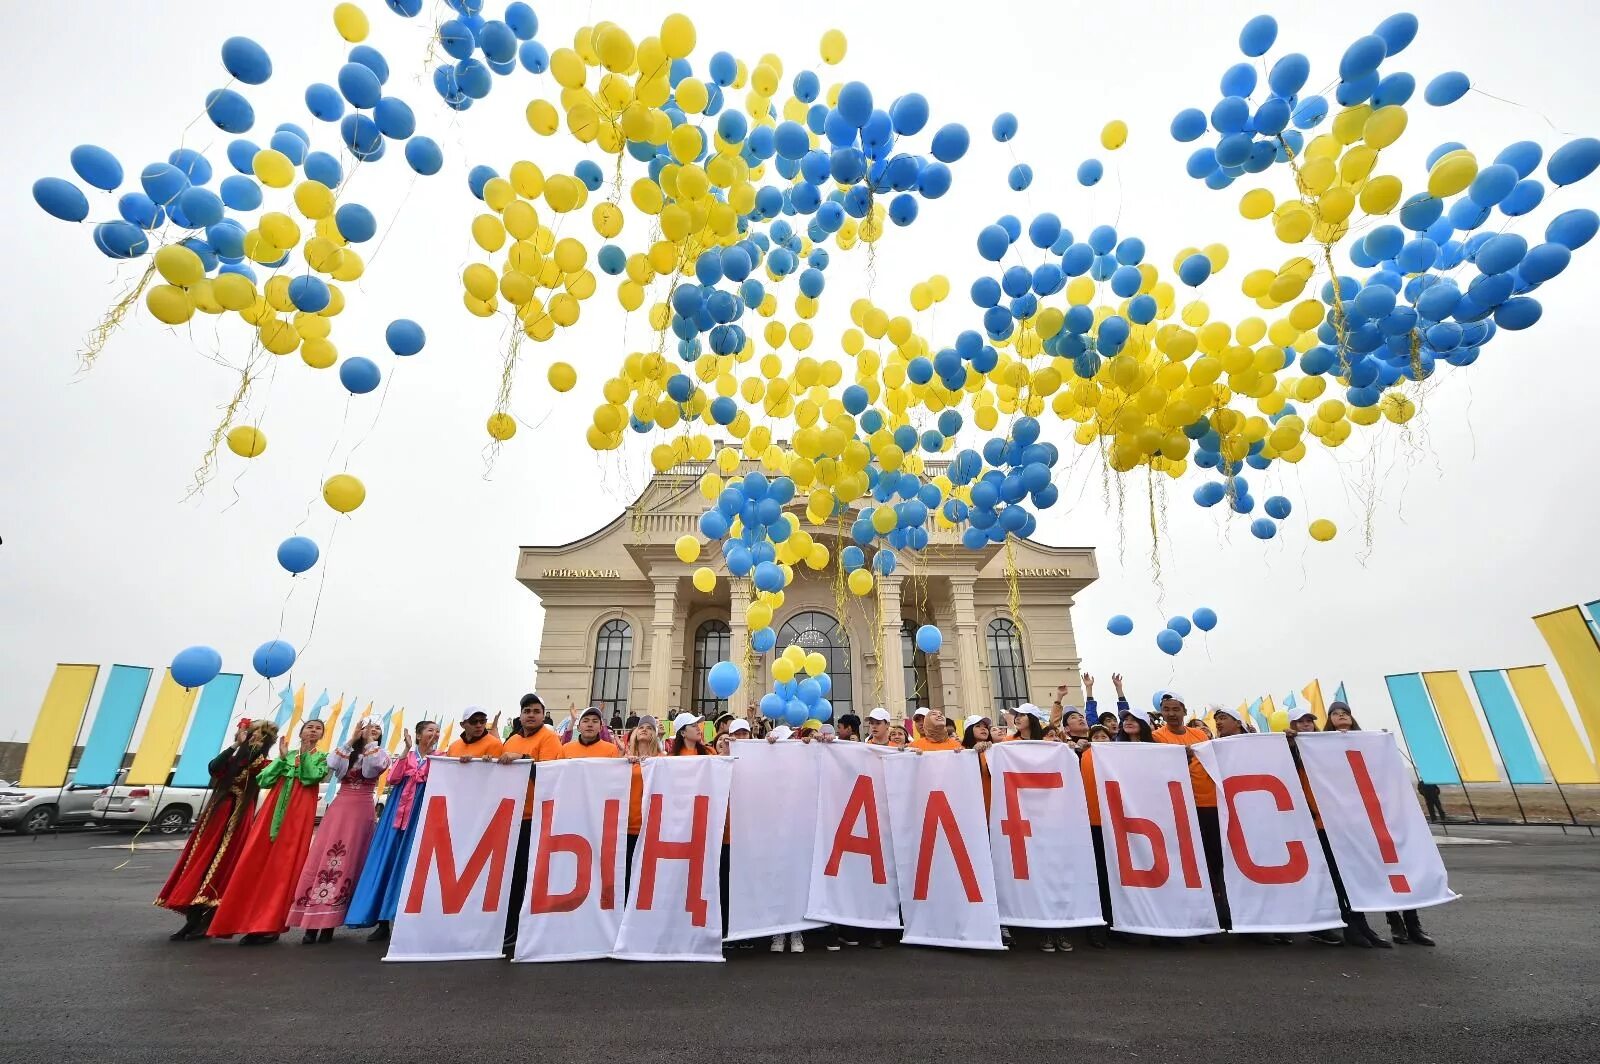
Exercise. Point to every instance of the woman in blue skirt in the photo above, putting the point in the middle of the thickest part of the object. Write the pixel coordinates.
(377, 893)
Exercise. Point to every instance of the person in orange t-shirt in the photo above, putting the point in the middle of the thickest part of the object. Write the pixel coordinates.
(589, 742)
(476, 742)
(534, 741)
(644, 742)
(978, 734)
(1175, 732)
(933, 733)
(1097, 734)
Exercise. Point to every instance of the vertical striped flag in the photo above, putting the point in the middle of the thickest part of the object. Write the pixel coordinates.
(1263, 725)
(330, 724)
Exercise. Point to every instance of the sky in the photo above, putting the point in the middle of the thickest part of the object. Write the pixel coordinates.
(1453, 530)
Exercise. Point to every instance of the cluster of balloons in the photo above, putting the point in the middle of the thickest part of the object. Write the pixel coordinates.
(718, 194)
(1169, 639)
(801, 685)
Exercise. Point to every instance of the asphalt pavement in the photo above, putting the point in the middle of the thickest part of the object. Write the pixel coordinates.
(86, 973)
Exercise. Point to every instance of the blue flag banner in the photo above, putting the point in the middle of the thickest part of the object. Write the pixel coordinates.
(1507, 726)
(1339, 695)
(120, 705)
(1429, 751)
(208, 731)
(285, 708)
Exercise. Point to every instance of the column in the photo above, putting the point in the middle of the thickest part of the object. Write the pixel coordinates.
(661, 625)
(739, 644)
(971, 697)
(891, 663)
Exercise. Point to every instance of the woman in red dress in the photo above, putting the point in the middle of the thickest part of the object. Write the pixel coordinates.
(256, 903)
(206, 864)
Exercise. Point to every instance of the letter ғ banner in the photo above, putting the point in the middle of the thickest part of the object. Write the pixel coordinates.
(575, 860)
(1273, 868)
(1387, 857)
(1154, 859)
(1044, 871)
(675, 910)
(941, 846)
(773, 807)
(452, 902)
(852, 869)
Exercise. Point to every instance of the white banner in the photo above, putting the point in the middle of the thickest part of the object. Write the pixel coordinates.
(453, 898)
(1276, 877)
(941, 848)
(575, 860)
(1387, 857)
(675, 910)
(1044, 872)
(773, 807)
(1154, 859)
(852, 870)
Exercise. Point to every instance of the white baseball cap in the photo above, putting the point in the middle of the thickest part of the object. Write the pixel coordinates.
(1031, 710)
(1142, 714)
(739, 725)
(922, 711)
(472, 711)
(780, 733)
(683, 720)
(1175, 696)
(879, 714)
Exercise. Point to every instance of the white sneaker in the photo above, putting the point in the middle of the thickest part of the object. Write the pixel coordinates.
(777, 944)
(796, 943)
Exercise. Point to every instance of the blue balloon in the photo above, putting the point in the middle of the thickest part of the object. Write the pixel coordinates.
(1090, 171)
(323, 168)
(1289, 73)
(1277, 506)
(520, 17)
(855, 103)
(1205, 618)
(1194, 270)
(763, 639)
(1258, 35)
(1179, 624)
(534, 57)
(356, 224)
(1518, 313)
(360, 375)
(394, 118)
(1362, 57)
(163, 182)
(1523, 157)
(929, 639)
(229, 111)
(1121, 624)
(60, 198)
(1527, 195)
(1397, 31)
(1501, 253)
(1573, 229)
(1263, 528)
(1169, 641)
(246, 60)
(404, 337)
(1447, 88)
(1188, 124)
(1573, 161)
(372, 59)
(950, 142)
(196, 666)
(1544, 262)
(297, 554)
(238, 193)
(423, 156)
(724, 679)
(909, 113)
(309, 294)
(1021, 176)
(120, 240)
(993, 242)
(1004, 127)
(273, 658)
(96, 166)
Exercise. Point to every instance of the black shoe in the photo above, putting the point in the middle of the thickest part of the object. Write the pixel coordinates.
(1353, 937)
(325, 935)
(258, 939)
(380, 933)
(308, 939)
(875, 942)
(1283, 940)
(1097, 938)
(1378, 940)
(1327, 938)
(1400, 935)
(1419, 937)
(848, 941)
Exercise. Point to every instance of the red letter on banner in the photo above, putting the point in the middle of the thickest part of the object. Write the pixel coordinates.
(608, 854)
(1123, 825)
(940, 817)
(1015, 826)
(1380, 829)
(1180, 823)
(437, 849)
(693, 850)
(1294, 868)
(540, 900)
(862, 801)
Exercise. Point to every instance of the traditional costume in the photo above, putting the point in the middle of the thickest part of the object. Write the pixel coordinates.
(377, 895)
(328, 880)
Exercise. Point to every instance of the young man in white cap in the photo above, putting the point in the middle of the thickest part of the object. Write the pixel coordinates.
(476, 742)
(537, 742)
(1175, 732)
(916, 721)
(878, 723)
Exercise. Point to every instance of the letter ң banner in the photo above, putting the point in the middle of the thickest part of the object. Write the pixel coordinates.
(575, 861)
(453, 899)
(1387, 857)
(1154, 859)
(773, 807)
(1044, 869)
(852, 872)
(941, 847)
(1276, 877)
(675, 910)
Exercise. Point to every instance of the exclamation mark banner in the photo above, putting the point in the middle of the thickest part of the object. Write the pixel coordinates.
(1380, 828)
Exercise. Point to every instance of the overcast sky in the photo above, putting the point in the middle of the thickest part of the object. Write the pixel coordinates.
(1479, 511)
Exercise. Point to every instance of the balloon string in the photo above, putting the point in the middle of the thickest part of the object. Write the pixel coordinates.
(1522, 106)
(202, 475)
(101, 333)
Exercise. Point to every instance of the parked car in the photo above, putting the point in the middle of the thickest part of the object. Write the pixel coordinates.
(166, 810)
(30, 810)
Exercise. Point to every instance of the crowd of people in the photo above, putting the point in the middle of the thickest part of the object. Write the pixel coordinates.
(256, 868)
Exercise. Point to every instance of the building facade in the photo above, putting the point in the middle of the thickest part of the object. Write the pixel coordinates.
(625, 628)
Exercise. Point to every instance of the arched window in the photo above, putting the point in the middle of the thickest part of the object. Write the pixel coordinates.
(916, 666)
(816, 631)
(1007, 671)
(613, 655)
(712, 643)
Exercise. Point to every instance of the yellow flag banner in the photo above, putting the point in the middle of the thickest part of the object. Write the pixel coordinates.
(1552, 725)
(1462, 730)
(158, 747)
(55, 731)
(1578, 656)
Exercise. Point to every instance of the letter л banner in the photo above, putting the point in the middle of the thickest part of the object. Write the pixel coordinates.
(453, 897)
(853, 879)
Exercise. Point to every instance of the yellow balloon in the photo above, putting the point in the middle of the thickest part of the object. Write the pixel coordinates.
(782, 670)
(502, 426)
(318, 354)
(1279, 721)
(816, 664)
(677, 36)
(344, 492)
(860, 582)
(1322, 530)
(687, 548)
(169, 304)
(351, 22)
(1114, 135)
(562, 376)
(1452, 174)
(833, 47)
(178, 265)
(1384, 126)
(246, 441)
(759, 615)
(705, 580)
(234, 291)
(273, 168)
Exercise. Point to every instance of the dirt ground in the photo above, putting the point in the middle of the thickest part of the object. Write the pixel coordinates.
(1543, 804)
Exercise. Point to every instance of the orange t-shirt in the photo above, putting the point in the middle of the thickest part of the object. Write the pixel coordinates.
(636, 801)
(598, 748)
(1311, 799)
(486, 746)
(1090, 788)
(542, 745)
(1205, 792)
(922, 743)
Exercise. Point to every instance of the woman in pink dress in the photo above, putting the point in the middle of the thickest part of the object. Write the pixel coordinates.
(329, 878)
